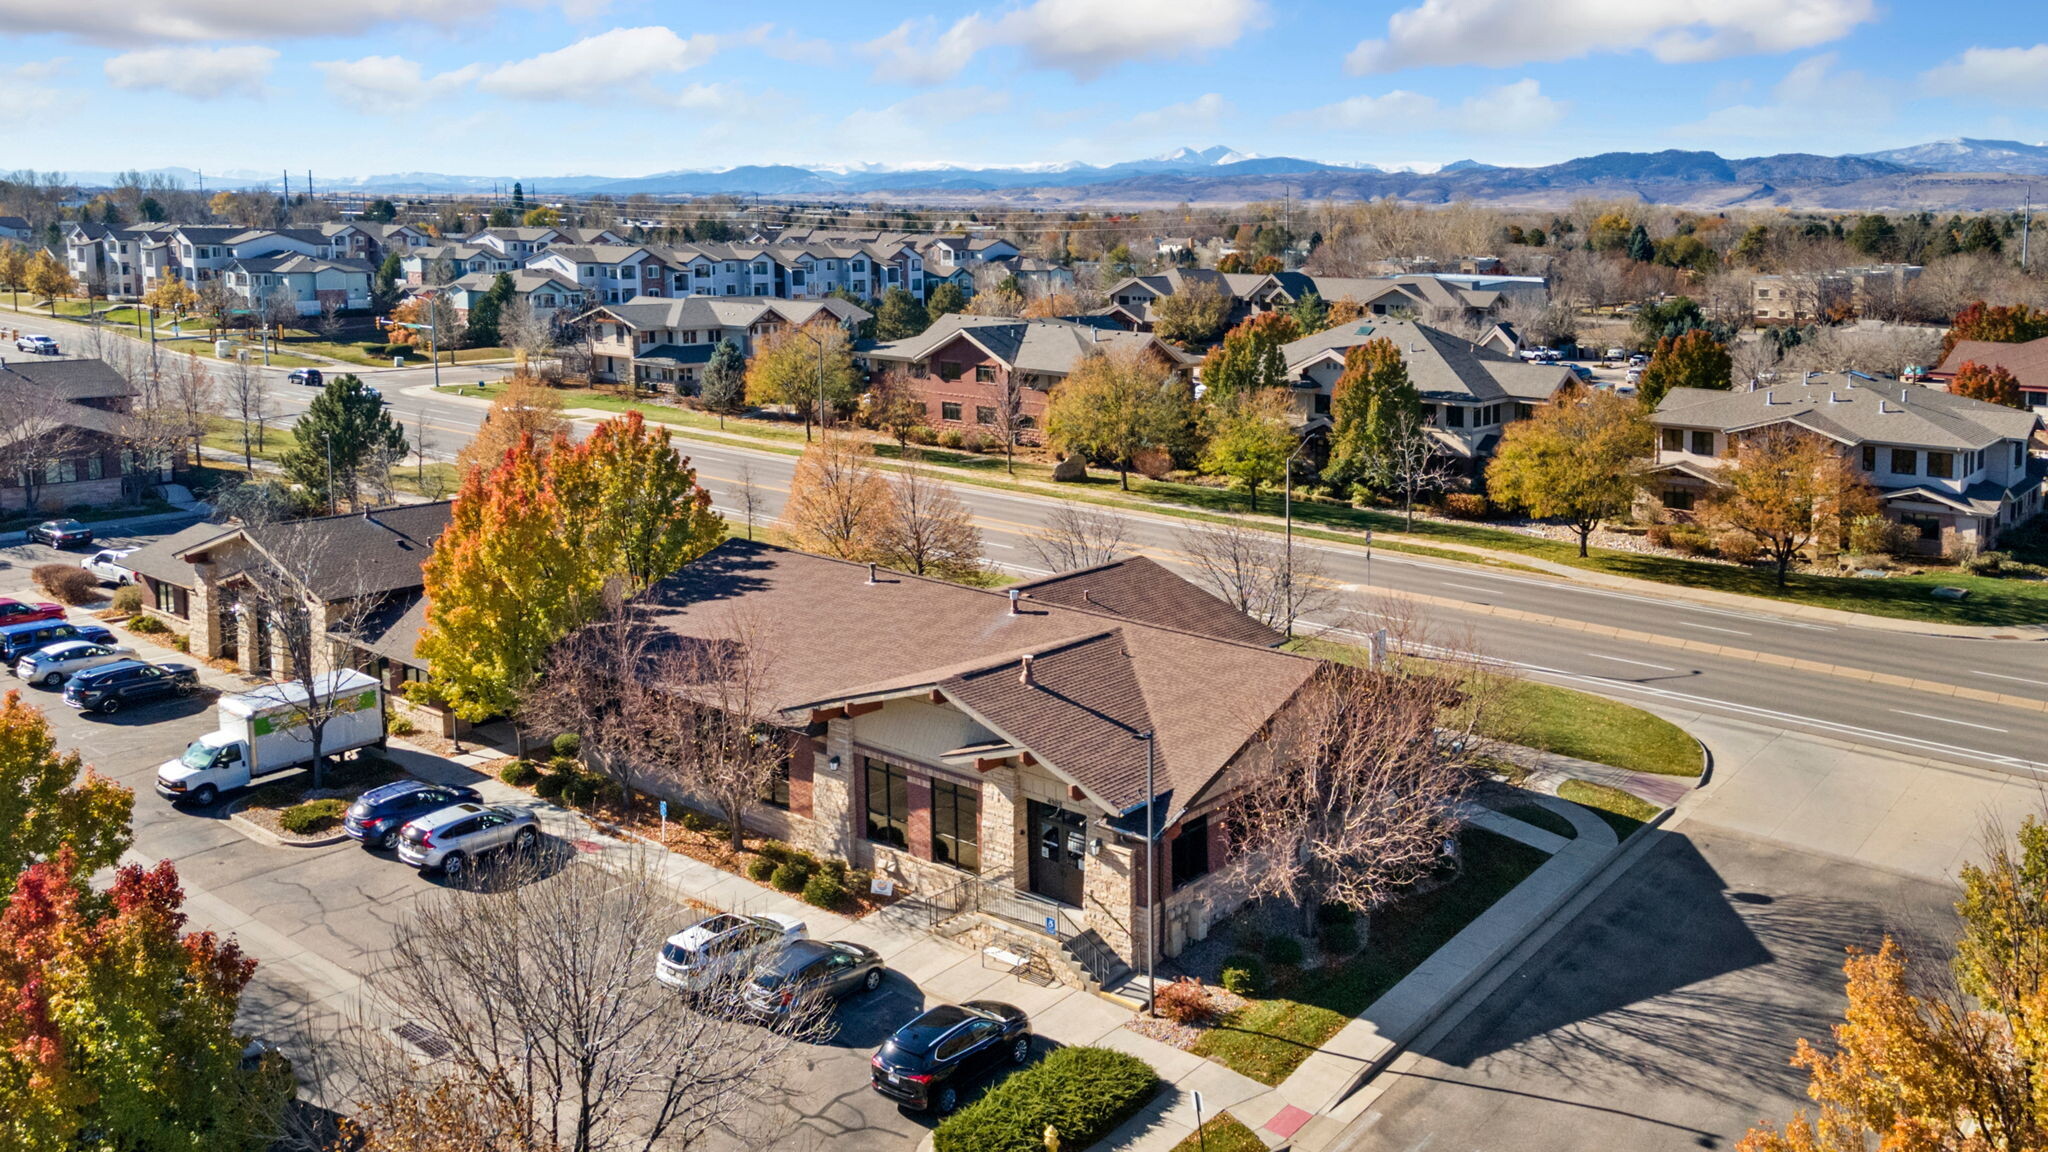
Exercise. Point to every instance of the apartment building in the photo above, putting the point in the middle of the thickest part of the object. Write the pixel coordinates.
(549, 296)
(664, 343)
(441, 263)
(1435, 297)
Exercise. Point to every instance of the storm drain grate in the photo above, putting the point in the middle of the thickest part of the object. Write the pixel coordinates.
(428, 1042)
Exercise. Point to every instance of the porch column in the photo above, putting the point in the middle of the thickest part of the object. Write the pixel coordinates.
(835, 800)
(1001, 826)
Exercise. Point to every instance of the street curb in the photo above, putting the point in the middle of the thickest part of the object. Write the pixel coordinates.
(262, 835)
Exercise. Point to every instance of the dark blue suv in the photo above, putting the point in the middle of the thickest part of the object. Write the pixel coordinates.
(18, 640)
(378, 814)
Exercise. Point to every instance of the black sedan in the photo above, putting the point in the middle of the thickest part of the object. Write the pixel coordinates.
(811, 973)
(378, 814)
(60, 533)
(930, 1060)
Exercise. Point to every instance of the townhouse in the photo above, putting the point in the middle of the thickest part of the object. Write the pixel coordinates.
(432, 264)
(1957, 472)
(664, 344)
(616, 273)
(523, 242)
(1470, 389)
(1435, 297)
(313, 283)
(15, 228)
(964, 367)
(551, 298)
(251, 262)
(370, 241)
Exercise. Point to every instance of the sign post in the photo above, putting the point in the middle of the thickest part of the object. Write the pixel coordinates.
(664, 823)
(1201, 1137)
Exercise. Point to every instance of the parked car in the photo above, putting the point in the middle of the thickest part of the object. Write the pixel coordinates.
(110, 566)
(724, 945)
(1580, 371)
(17, 612)
(449, 839)
(18, 640)
(53, 665)
(40, 345)
(929, 1060)
(808, 972)
(1638, 360)
(1635, 376)
(310, 377)
(377, 815)
(1614, 356)
(112, 687)
(60, 533)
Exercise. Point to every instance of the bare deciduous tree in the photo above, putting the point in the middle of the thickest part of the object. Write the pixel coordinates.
(1410, 461)
(1357, 794)
(530, 335)
(1251, 569)
(330, 317)
(600, 683)
(1076, 536)
(194, 395)
(747, 495)
(927, 530)
(717, 734)
(250, 402)
(553, 1032)
(422, 444)
(37, 435)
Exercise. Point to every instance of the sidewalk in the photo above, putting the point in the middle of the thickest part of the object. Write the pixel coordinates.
(1549, 769)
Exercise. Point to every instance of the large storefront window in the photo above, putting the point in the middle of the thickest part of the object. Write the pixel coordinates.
(888, 803)
(956, 825)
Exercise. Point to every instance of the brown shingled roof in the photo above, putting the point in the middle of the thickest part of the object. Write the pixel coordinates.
(1146, 591)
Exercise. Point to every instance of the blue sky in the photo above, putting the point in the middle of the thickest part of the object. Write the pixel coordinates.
(624, 87)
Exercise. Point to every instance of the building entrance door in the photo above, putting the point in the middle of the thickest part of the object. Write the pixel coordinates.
(1059, 847)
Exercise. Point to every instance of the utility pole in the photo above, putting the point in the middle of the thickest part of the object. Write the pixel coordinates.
(2026, 225)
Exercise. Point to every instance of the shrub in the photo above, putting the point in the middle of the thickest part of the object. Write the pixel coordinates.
(519, 773)
(1244, 974)
(1873, 534)
(568, 745)
(66, 582)
(922, 434)
(836, 869)
(774, 850)
(822, 891)
(550, 785)
(760, 869)
(1185, 1001)
(1467, 506)
(976, 441)
(566, 765)
(1737, 546)
(696, 821)
(952, 438)
(128, 598)
(312, 816)
(1658, 535)
(147, 625)
(1247, 936)
(1284, 950)
(1338, 939)
(1084, 1093)
(1986, 563)
(1691, 539)
(181, 642)
(401, 726)
(789, 877)
(1330, 914)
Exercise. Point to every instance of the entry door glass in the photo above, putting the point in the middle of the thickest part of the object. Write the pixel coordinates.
(1058, 848)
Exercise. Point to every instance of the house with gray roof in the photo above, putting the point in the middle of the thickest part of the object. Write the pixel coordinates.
(549, 295)
(1956, 471)
(664, 344)
(69, 438)
(314, 283)
(1436, 298)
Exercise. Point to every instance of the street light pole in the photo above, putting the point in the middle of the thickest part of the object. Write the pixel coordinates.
(1287, 567)
(819, 341)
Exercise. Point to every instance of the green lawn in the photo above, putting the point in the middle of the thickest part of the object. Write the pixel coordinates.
(1552, 822)
(1223, 1133)
(1273, 1035)
(1624, 811)
(224, 436)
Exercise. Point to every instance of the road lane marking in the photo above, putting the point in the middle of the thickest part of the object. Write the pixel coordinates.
(1471, 587)
(1639, 663)
(1946, 720)
(2014, 679)
(1710, 628)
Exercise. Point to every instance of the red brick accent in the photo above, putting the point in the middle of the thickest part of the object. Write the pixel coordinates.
(802, 765)
(921, 816)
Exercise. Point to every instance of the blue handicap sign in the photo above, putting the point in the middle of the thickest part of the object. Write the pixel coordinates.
(664, 809)
(1052, 926)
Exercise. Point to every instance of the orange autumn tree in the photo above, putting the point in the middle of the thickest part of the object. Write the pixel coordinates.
(1933, 1061)
(1995, 324)
(1991, 383)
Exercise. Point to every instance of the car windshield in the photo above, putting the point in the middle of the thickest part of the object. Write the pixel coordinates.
(197, 755)
(678, 955)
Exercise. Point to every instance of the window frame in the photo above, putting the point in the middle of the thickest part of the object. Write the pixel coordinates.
(895, 781)
(956, 807)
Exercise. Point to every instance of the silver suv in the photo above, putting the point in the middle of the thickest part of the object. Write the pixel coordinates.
(450, 839)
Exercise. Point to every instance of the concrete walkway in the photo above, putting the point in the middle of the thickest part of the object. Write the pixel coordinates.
(1549, 769)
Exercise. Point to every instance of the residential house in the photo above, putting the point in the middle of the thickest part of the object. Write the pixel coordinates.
(944, 253)
(433, 264)
(546, 293)
(1955, 470)
(314, 283)
(610, 273)
(1434, 297)
(69, 439)
(371, 241)
(2028, 362)
(963, 366)
(1031, 749)
(16, 229)
(1470, 389)
(665, 343)
(360, 572)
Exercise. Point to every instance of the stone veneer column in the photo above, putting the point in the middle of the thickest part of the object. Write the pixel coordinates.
(1107, 881)
(1002, 819)
(830, 831)
(203, 619)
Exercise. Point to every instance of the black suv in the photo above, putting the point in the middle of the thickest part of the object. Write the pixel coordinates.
(929, 1060)
(18, 640)
(111, 687)
(378, 814)
(310, 377)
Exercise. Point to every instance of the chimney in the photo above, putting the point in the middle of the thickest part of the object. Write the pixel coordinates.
(871, 573)
(1015, 596)
(1024, 671)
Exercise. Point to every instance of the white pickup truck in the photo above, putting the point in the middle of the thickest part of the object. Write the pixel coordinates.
(110, 565)
(267, 731)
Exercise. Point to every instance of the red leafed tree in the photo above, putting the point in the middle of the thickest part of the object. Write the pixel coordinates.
(1997, 324)
(1987, 382)
(120, 1025)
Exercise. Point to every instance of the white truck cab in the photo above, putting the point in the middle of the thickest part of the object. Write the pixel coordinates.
(110, 566)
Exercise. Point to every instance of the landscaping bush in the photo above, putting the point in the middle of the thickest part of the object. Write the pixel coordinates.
(1986, 563)
(1245, 933)
(952, 438)
(789, 877)
(66, 582)
(181, 642)
(775, 850)
(822, 891)
(923, 434)
(696, 821)
(566, 765)
(1467, 506)
(975, 441)
(567, 746)
(1185, 1001)
(312, 816)
(128, 598)
(1657, 535)
(760, 869)
(1284, 950)
(1691, 539)
(401, 726)
(1338, 939)
(1243, 974)
(519, 773)
(1873, 533)
(550, 785)
(1083, 1093)
(836, 869)
(147, 625)
(1737, 546)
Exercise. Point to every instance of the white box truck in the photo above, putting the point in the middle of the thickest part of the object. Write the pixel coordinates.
(266, 731)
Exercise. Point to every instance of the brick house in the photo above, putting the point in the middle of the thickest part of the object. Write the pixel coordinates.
(987, 752)
(964, 366)
(68, 435)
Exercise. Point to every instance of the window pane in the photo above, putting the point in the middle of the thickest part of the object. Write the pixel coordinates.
(888, 792)
(956, 825)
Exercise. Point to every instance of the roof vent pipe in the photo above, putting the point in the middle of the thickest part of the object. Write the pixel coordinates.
(1024, 670)
(871, 573)
(1902, 397)
(1015, 596)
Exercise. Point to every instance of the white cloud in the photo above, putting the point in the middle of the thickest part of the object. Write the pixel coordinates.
(386, 84)
(201, 73)
(1509, 110)
(1204, 111)
(784, 44)
(600, 67)
(911, 124)
(1999, 75)
(1813, 96)
(1081, 37)
(1503, 33)
(28, 98)
(149, 21)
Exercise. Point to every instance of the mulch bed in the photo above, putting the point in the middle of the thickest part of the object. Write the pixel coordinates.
(1222, 1002)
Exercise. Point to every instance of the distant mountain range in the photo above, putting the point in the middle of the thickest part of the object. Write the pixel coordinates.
(1960, 174)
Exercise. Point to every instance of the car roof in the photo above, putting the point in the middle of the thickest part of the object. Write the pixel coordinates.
(65, 646)
(441, 817)
(710, 928)
(798, 954)
(28, 626)
(63, 522)
(918, 1036)
(398, 788)
(105, 670)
